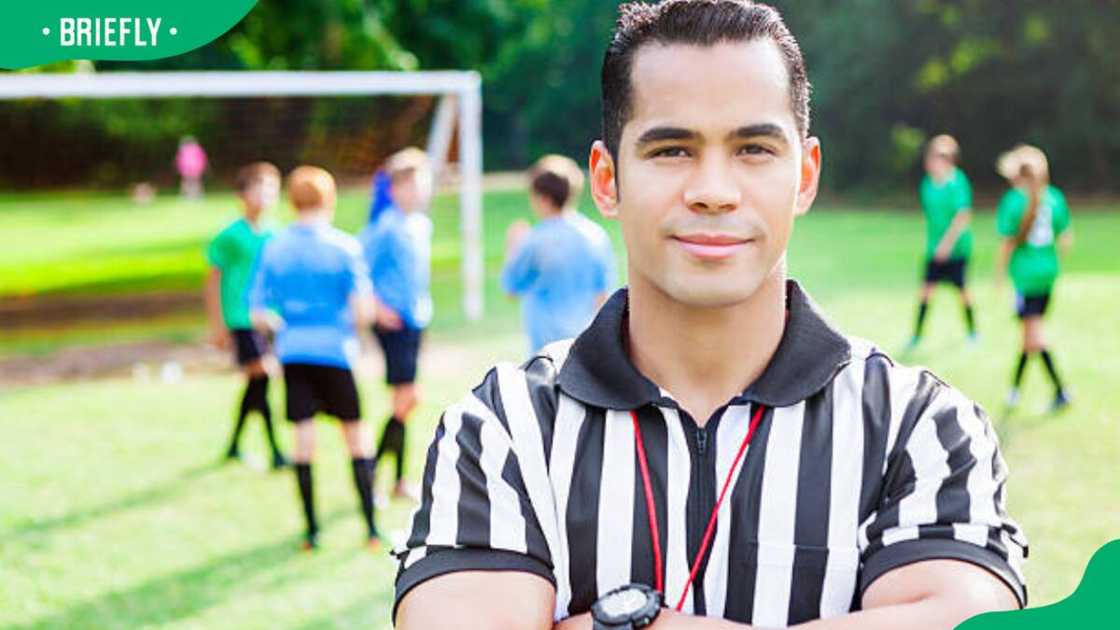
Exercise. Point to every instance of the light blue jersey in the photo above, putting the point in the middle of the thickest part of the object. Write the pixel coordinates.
(561, 268)
(307, 275)
(398, 250)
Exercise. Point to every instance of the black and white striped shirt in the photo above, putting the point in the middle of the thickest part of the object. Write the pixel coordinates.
(859, 466)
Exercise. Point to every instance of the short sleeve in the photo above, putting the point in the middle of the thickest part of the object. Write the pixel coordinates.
(1009, 213)
(475, 512)
(520, 271)
(259, 285)
(1061, 211)
(217, 253)
(943, 496)
(963, 194)
(357, 272)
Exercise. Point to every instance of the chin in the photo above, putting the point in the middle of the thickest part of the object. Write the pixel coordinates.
(714, 290)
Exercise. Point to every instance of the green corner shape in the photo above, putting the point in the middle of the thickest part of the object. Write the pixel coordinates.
(1092, 605)
(45, 31)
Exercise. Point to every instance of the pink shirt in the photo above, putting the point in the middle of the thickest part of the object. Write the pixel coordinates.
(191, 160)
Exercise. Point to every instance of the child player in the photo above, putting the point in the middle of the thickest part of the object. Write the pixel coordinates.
(946, 198)
(232, 254)
(1032, 217)
(398, 247)
(312, 289)
(563, 267)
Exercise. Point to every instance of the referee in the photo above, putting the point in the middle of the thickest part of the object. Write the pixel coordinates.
(710, 446)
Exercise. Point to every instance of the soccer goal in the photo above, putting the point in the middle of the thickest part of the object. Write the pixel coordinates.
(454, 98)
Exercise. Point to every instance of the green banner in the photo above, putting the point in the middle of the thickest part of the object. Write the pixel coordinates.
(1092, 605)
(45, 31)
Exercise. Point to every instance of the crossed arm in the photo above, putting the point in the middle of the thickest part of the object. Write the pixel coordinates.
(953, 234)
(933, 594)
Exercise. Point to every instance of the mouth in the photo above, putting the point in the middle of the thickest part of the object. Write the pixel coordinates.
(712, 246)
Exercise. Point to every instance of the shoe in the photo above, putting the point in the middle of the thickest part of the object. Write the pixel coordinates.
(912, 344)
(373, 543)
(1012, 399)
(973, 339)
(1061, 402)
(310, 542)
(233, 454)
(279, 461)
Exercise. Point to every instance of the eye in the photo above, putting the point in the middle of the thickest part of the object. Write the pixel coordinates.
(669, 152)
(755, 149)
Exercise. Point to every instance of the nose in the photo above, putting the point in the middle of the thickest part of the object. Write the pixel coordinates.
(712, 190)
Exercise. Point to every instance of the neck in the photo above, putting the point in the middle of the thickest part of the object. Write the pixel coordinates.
(705, 356)
(253, 216)
(312, 216)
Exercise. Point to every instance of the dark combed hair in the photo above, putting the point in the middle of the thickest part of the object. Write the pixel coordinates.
(252, 173)
(552, 186)
(698, 22)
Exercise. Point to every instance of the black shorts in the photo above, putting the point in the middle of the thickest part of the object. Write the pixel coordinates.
(249, 345)
(315, 388)
(1029, 305)
(402, 350)
(950, 271)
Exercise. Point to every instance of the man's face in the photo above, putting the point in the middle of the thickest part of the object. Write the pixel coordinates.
(711, 170)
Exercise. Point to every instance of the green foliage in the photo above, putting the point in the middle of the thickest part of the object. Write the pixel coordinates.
(991, 73)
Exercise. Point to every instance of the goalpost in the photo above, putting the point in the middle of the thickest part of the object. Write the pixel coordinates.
(460, 101)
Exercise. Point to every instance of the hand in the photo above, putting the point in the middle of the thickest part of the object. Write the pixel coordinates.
(388, 319)
(220, 338)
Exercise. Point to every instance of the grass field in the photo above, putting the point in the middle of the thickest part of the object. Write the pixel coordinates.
(114, 514)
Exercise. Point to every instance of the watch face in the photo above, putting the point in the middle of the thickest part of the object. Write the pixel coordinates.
(623, 603)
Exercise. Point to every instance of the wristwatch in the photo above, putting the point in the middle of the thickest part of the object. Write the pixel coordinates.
(626, 608)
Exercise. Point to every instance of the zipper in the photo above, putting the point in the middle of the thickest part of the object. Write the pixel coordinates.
(704, 480)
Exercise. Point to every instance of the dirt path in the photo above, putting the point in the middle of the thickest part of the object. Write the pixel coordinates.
(44, 311)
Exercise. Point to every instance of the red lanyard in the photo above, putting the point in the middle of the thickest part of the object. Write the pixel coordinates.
(651, 507)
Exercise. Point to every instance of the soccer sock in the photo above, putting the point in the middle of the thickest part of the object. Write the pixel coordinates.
(259, 387)
(923, 308)
(1019, 369)
(970, 319)
(303, 476)
(248, 403)
(1052, 370)
(392, 441)
(363, 481)
(400, 452)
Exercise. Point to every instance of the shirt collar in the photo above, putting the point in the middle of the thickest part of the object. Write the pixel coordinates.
(598, 372)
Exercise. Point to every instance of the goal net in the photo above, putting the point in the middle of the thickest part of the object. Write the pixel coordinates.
(120, 132)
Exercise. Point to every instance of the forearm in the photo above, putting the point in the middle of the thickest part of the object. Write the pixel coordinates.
(934, 613)
(213, 297)
(956, 228)
(1005, 249)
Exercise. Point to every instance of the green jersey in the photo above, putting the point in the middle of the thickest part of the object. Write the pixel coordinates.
(941, 202)
(1034, 264)
(234, 252)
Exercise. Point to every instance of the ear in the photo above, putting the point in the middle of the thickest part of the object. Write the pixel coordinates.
(810, 175)
(604, 189)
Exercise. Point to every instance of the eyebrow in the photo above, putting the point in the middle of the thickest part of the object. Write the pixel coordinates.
(662, 134)
(769, 130)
